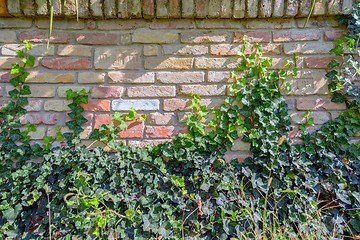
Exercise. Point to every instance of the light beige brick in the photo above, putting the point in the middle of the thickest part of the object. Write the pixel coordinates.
(56, 105)
(215, 63)
(62, 90)
(131, 77)
(185, 50)
(203, 90)
(151, 50)
(91, 77)
(180, 77)
(240, 145)
(308, 48)
(36, 50)
(50, 77)
(161, 118)
(155, 37)
(168, 63)
(319, 117)
(74, 50)
(7, 36)
(204, 37)
(151, 91)
(117, 58)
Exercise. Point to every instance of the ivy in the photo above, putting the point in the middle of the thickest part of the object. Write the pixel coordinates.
(184, 189)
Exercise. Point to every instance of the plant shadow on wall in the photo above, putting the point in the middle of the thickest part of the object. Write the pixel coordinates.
(183, 189)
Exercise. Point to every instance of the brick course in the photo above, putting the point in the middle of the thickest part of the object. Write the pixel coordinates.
(154, 64)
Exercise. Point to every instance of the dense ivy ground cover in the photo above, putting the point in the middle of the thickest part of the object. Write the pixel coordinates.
(183, 189)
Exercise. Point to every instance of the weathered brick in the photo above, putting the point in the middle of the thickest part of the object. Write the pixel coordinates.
(56, 105)
(123, 9)
(201, 8)
(290, 102)
(240, 145)
(97, 105)
(11, 23)
(109, 8)
(319, 117)
(317, 62)
(252, 8)
(5, 77)
(317, 22)
(187, 8)
(253, 36)
(161, 118)
(98, 38)
(226, 9)
(117, 58)
(148, 8)
(266, 8)
(175, 104)
(7, 36)
(34, 106)
(139, 104)
(204, 37)
(120, 24)
(172, 24)
(159, 131)
(168, 63)
(214, 9)
(14, 7)
(42, 37)
(38, 91)
(270, 23)
(296, 35)
(226, 49)
(155, 37)
(309, 87)
(280, 63)
(185, 50)
(308, 48)
(219, 76)
(107, 92)
(151, 50)
(70, 63)
(64, 23)
(74, 50)
(161, 8)
(203, 90)
(50, 77)
(6, 62)
(318, 104)
(38, 134)
(319, 7)
(151, 91)
(131, 77)
(180, 77)
(36, 50)
(292, 7)
(215, 63)
(239, 156)
(96, 8)
(91, 77)
(61, 91)
(219, 24)
(331, 35)
(305, 7)
(40, 118)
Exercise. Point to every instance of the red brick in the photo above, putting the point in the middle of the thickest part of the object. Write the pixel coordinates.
(34, 106)
(66, 63)
(98, 38)
(135, 128)
(42, 36)
(38, 118)
(107, 92)
(296, 35)
(258, 36)
(148, 9)
(317, 62)
(331, 35)
(318, 104)
(97, 106)
(5, 77)
(159, 131)
(175, 104)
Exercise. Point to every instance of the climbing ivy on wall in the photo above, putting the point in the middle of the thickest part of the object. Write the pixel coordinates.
(184, 188)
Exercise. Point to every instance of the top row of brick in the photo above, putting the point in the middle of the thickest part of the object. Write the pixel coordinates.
(149, 9)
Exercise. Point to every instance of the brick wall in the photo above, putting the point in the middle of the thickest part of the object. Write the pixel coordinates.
(153, 65)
